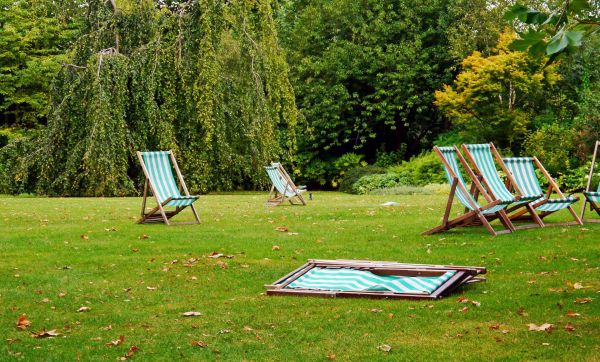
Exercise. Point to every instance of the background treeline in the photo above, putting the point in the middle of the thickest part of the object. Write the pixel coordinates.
(349, 94)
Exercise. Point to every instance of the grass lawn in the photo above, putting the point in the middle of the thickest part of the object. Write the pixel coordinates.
(57, 255)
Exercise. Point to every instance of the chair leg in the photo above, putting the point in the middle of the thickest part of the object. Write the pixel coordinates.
(195, 213)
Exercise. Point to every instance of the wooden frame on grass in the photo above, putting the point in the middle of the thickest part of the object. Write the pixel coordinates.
(463, 275)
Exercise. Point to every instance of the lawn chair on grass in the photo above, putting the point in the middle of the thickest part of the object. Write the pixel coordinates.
(283, 188)
(592, 197)
(480, 156)
(523, 172)
(158, 168)
(474, 213)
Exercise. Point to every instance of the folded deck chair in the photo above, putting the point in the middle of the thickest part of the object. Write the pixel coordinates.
(522, 170)
(158, 168)
(592, 197)
(481, 158)
(374, 279)
(474, 213)
(283, 188)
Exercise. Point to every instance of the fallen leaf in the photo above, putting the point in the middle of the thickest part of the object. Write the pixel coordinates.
(224, 331)
(61, 294)
(494, 326)
(375, 310)
(248, 328)
(200, 344)
(578, 286)
(222, 264)
(282, 229)
(23, 322)
(583, 300)
(391, 315)
(143, 236)
(476, 303)
(545, 344)
(569, 327)
(572, 314)
(135, 250)
(504, 331)
(384, 347)
(291, 234)
(463, 300)
(275, 248)
(45, 300)
(45, 334)
(83, 309)
(151, 288)
(330, 356)
(464, 309)
(116, 342)
(84, 237)
(521, 312)
(129, 353)
(546, 327)
(214, 255)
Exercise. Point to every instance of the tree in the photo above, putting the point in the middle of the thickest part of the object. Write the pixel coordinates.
(495, 98)
(34, 38)
(555, 32)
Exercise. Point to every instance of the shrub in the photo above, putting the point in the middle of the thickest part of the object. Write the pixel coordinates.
(379, 181)
(355, 174)
(554, 146)
(421, 170)
(17, 167)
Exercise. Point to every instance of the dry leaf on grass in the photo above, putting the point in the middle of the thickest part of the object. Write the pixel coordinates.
(464, 309)
(135, 250)
(45, 334)
(191, 314)
(282, 229)
(248, 328)
(84, 237)
(116, 342)
(62, 294)
(476, 303)
(463, 300)
(23, 322)
(129, 353)
(83, 309)
(143, 236)
(375, 310)
(151, 288)
(569, 327)
(583, 300)
(200, 344)
(521, 312)
(572, 314)
(275, 248)
(494, 326)
(330, 356)
(384, 348)
(546, 327)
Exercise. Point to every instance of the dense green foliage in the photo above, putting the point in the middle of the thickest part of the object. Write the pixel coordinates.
(34, 38)
(205, 79)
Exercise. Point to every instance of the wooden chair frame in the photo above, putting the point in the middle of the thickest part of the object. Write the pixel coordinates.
(158, 213)
(463, 275)
(552, 187)
(275, 198)
(537, 221)
(593, 205)
(474, 216)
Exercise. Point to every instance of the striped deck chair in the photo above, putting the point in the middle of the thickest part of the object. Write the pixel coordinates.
(158, 168)
(592, 197)
(481, 157)
(522, 170)
(283, 188)
(474, 213)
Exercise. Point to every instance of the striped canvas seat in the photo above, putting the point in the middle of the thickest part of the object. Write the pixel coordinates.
(482, 156)
(449, 154)
(283, 188)
(592, 197)
(347, 279)
(523, 171)
(160, 170)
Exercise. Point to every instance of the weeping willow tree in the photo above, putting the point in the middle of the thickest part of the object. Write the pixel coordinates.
(205, 78)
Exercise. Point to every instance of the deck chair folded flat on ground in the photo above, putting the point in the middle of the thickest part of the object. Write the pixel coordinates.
(481, 157)
(283, 188)
(158, 168)
(592, 197)
(522, 170)
(373, 279)
(474, 213)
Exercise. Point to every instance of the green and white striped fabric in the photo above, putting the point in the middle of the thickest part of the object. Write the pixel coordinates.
(449, 154)
(523, 172)
(278, 181)
(347, 279)
(482, 155)
(160, 171)
(593, 195)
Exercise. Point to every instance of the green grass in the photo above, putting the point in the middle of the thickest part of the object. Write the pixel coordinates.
(42, 254)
